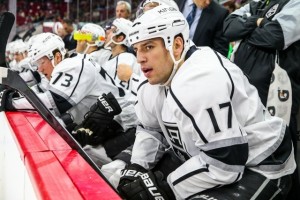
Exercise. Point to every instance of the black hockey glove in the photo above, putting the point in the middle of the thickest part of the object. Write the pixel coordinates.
(131, 173)
(6, 99)
(149, 186)
(98, 122)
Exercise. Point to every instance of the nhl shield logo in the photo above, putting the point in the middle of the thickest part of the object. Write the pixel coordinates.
(272, 11)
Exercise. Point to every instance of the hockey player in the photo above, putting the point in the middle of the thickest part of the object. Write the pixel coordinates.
(116, 39)
(90, 40)
(75, 83)
(199, 104)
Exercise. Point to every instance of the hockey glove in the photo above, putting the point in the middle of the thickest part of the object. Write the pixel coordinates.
(95, 127)
(131, 173)
(147, 187)
(6, 99)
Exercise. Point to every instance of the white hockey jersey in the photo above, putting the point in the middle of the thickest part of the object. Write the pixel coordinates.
(214, 121)
(74, 87)
(101, 56)
(123, 58)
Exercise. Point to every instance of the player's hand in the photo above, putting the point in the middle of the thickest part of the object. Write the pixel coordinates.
(6, 99)
(95, 127)
(131, 173)
(147, 187)
(124, 72)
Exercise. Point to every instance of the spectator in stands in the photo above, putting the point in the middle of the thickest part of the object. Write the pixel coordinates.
(206, 19)
(70, 43)
(123, 10)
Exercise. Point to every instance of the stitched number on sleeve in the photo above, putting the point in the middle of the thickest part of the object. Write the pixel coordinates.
(67, 79)
(214, 120)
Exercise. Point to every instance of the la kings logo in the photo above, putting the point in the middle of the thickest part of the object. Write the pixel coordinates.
(272, 11)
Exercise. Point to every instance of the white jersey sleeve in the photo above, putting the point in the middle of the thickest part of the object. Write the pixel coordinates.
(101, 56)
(150, 143)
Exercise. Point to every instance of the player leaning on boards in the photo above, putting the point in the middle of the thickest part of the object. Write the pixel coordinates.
(199, 104)
(75, 85)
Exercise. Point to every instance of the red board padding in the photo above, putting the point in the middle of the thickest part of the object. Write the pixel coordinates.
(56, 171)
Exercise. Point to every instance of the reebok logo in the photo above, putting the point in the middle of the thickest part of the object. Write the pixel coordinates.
(106, 105)
(151, 188)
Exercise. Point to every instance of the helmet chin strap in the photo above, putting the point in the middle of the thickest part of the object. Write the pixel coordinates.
(112, 41)
(52, 62)
(175, 66)
(87, 47)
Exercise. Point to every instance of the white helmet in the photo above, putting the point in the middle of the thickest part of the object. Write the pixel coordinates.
(91, 33)
(141, 8)
(44, 44)
(122, 26)
(170, 3)
(161, 22)
(19, 47)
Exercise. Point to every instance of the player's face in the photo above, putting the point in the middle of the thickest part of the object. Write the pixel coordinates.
(122, 12)
(18, 57)
(155, 60)
(202, 3)
(45, 66)
(109, 34)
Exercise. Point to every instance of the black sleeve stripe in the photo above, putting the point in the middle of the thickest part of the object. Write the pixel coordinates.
(144, 82)
(231, 155)
(133, 93)
(232, 90)
(282, 153)
(198, 171)
(61, 103)
(237, 178)
(189, 116)
(82, 65)
(104, 74)
(117, 60)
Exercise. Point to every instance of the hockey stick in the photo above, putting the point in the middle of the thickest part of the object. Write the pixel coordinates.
(14, 81)
(7, 20)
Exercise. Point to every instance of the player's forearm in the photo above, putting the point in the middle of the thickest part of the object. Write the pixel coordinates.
(22, 103)
(148, 148)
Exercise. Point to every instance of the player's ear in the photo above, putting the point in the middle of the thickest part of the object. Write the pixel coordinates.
(120, 38)
(57, 57)
(178, 47)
